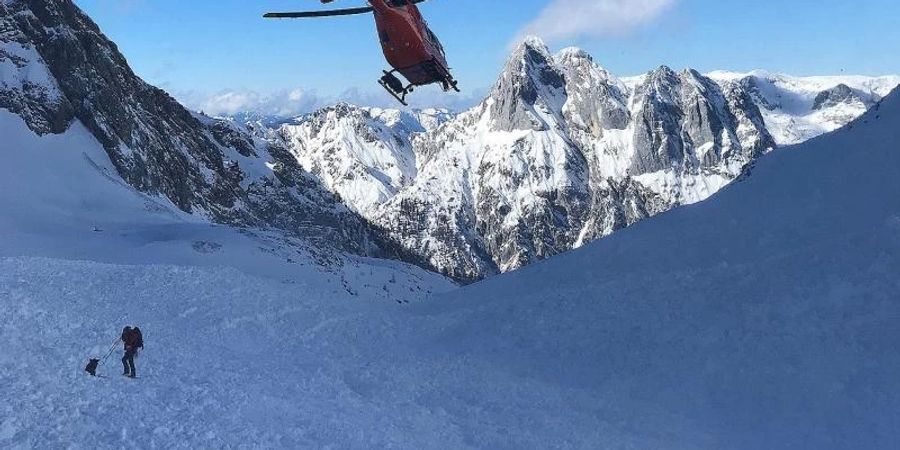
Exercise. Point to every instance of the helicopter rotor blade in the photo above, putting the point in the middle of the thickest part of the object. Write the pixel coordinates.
(329, 13)
(333, 12)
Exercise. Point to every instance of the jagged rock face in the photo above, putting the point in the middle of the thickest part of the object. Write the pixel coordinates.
(562, 152)
(56, 67)
(597, 101)
(840, 94)
(559, 153)
(26, 86)
(529, 89)
(699, 124)
(444, 231)
(616, 204)
(151, 139)
(754, 88)
(658, 111)
(363, 154)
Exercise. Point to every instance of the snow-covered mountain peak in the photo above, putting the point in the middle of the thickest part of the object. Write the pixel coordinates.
(662, 73)
(573, 53)
(842, 94)
(431, 118)
(662, 84)
(363, 154)
(596, 100)
(560, 153)
(663, 80)
(530, 92)
(573, 60)
(799, 108)
(532, 42)
(530, 53)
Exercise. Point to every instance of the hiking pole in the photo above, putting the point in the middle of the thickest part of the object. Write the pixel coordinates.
(112, 348)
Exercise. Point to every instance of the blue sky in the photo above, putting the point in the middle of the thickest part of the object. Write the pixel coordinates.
(223, 55)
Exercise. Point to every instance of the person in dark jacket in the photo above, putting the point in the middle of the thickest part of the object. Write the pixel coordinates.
(133, 340)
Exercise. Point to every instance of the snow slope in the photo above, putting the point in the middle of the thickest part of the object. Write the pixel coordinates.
(83, 253)
(764, 317)
(61, 198)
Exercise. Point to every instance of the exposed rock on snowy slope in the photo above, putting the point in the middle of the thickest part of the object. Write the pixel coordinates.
(362, 154)
(56, 67)
(800, 108)
(365, 155)
(26, 85)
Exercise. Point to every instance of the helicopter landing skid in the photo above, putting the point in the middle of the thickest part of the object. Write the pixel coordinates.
(395, 87)
(447, 81)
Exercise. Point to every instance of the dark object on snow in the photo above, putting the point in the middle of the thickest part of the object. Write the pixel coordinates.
(138, 337)
(126, 333)
(93, 364)
(133, 340)
(92, 367)
(128, 363)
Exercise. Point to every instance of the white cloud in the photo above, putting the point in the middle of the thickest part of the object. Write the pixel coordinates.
(565, 20)
(281, 103)
(294, 102)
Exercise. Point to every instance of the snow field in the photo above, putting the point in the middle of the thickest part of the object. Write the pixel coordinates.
(764, 317)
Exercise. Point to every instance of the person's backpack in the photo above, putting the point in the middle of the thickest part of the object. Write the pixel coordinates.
(138, 337)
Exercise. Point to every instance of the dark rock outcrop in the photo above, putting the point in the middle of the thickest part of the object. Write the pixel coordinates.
(68, 70)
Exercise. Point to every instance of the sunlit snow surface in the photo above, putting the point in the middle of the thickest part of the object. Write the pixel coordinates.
(788, 102)
(763, 318)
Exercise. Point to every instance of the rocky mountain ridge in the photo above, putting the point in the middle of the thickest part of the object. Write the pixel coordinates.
(799, 108)
(57, 67)
(561, 152)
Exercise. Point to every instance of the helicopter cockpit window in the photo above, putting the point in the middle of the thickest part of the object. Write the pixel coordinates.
(398, 3)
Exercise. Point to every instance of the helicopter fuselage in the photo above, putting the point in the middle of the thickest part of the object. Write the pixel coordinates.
(409, 46)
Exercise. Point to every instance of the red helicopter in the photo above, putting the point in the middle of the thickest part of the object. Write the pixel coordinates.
(409, 46)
